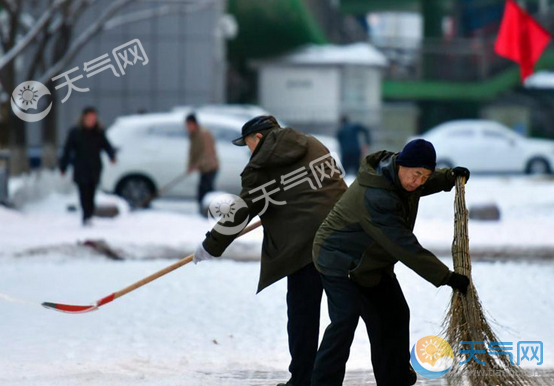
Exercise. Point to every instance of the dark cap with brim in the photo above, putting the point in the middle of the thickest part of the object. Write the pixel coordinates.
(255, 125)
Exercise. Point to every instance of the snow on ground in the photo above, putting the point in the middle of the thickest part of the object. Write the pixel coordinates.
(44, 223)
(526, 205)
(203, 324)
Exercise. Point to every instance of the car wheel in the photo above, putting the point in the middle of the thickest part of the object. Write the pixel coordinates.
(538, 166)
(136, 190)
(444, 163)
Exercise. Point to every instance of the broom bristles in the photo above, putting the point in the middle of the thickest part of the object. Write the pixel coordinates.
(465, 320)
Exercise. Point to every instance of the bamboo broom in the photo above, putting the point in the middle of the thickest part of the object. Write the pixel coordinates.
(465, 321)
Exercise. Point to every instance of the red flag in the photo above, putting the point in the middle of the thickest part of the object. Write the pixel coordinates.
(520, 38)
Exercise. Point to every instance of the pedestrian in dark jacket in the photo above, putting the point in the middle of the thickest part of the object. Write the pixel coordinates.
(348, 136)
(82, 150)
(302, 183)
(368, 231)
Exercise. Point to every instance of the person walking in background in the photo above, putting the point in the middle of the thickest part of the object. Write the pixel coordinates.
(82, 150)
(348, 136)
(202, 157)
(290, 218)
(356, 248)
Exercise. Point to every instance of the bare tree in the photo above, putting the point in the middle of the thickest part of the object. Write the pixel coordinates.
(50, 43)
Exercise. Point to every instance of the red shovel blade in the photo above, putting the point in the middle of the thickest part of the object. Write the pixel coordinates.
(69, 308)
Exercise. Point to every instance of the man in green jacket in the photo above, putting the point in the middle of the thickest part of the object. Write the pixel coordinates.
(291, 182)
(368, 231)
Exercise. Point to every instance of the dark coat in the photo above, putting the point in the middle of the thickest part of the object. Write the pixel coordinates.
(371, 227)
(82, 150)
(348, 137)
(289, 229)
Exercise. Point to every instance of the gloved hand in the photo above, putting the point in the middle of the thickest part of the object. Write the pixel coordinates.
(460, 171)
(459, 282)
(201, 254)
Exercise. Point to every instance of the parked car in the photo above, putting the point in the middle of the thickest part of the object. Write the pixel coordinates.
(152, 150)
(240, 111)
(489, 147)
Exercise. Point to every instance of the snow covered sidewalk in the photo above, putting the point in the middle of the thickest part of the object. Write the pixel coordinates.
(203, 325)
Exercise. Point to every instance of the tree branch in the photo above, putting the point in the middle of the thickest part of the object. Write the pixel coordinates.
(9, 5)
(23, 43)
(38, 57)
(82, 39)
(77, 9)
(3, 40)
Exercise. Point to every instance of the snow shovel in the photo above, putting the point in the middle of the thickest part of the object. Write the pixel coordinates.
(75, 309)
(163, 190)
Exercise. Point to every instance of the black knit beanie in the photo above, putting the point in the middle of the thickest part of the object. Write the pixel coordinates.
(418, 153)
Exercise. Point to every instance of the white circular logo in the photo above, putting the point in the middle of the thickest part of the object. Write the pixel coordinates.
(26, 96)
(222, 210)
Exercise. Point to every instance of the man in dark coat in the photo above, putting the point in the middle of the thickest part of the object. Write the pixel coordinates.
(348, 136)
(82, 149)
(291, 182)
(368, 231)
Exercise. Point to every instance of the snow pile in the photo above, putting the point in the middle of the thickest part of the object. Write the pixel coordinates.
(540, 80)
(46, 227)
(36, 186)
(363, 54)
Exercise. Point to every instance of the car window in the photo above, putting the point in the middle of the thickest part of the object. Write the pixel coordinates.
(168, 130)
(224, 134)
(494, 134)
(461, 133)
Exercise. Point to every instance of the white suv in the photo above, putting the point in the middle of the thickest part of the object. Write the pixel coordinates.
(152, 150)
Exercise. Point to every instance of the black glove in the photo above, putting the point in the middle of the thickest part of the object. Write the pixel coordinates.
(460, 171)
(459, 282)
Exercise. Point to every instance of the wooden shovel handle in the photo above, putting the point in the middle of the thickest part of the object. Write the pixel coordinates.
(172, 267)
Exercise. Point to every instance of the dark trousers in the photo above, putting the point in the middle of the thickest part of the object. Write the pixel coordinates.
(304, 292)
(351, 162)
(86, 197)
(385, 312)
(206, 185)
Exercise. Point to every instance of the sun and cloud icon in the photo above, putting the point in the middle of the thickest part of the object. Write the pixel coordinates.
(222, 210)
(432, 357)
(226, 209)
(26, 96)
